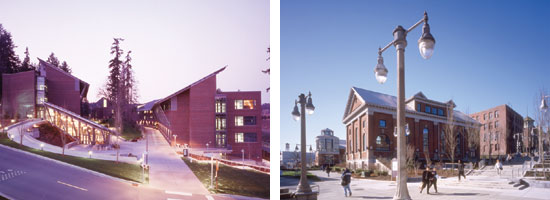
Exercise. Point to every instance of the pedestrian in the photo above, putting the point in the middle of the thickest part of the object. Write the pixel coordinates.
(328, 170)
(346, 181)
(461, 170)
(426, 176)
(508, 158)
(434, 179)
(498, 167)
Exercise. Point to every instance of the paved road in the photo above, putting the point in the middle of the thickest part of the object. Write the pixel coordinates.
(24, 176)
(372, 189)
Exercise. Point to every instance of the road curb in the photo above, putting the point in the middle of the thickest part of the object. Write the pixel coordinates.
(5, 195)
(71, 165)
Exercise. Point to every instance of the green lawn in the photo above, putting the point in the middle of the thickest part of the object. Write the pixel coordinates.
(132, 172)
(130, 133)
(296, 174)
(232, 180)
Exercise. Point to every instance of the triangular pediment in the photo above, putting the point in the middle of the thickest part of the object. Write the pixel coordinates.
(353, 103)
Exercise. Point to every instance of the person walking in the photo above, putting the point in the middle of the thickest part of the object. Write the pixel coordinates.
(461, 170)
(434, 179)
(328, 170)
(426, 176)
(346, 181)
(498, 167)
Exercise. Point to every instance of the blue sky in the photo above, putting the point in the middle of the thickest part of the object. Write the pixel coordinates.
(487, 53)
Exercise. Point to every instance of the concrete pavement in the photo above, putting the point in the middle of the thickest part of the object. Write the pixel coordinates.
(330, 188)
(167, 170)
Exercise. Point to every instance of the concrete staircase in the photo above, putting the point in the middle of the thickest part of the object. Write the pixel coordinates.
(481, 182)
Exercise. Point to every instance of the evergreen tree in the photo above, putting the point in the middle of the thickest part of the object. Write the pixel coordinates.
(53, 60)
(114, 83)
(65, 67)
(26, 65)
(9, 61)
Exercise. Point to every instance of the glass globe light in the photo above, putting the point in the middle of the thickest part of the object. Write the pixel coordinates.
(295, 112)
(309, 106)
(426, 42)
(380, 71)
(543, 105)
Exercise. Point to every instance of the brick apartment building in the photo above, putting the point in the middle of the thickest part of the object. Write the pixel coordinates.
(200, 114)
(370, 118)
(499, 124)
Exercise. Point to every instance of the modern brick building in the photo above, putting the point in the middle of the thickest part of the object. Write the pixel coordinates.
(499, 124)
(370, 119)
(328, 148)
(53, 95)
(202, 117)
(24, 92)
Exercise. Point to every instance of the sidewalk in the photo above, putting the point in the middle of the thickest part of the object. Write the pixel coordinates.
(330, 188)
(167, 170)
(78, 150)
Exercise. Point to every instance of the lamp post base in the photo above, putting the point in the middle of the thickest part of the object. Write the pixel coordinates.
(306, 195)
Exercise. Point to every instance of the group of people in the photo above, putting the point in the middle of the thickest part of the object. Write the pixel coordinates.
(429, 177)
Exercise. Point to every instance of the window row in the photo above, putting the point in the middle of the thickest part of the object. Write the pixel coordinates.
(490, 125)
(245, 104)
(245, 120)
(490, 114)
(430, 110)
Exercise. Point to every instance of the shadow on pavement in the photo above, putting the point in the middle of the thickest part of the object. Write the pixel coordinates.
(459, 194)
(369, 197)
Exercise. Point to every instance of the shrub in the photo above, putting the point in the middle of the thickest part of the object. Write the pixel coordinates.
(384, 173)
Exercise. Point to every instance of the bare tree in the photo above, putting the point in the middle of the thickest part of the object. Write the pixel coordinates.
(268, 70)
(472, 129)
(409, 156)
(450, 133)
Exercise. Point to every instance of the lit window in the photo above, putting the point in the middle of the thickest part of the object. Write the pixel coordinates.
(239, 137)
(220, 123)
(105, 103)
(239, 120)
(382, 124)
(245, 104)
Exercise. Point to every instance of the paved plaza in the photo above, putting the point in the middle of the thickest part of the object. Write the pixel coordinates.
(478, 187)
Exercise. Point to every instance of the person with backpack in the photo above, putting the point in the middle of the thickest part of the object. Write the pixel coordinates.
(498, 167)
(346, 180)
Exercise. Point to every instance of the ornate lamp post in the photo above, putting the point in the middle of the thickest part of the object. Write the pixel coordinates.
(426, 45)
(305, 104)
(544, 108)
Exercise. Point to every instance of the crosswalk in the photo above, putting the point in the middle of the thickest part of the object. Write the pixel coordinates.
(10, 173)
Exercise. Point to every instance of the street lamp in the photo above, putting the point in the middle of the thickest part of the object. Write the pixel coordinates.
(206, 147)
(90, 153)
(175, 136)
(242, 151)
(42, 146)
(306, 103)
(426, 45)
(544, 108)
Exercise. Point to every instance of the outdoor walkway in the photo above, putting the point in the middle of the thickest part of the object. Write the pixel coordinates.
(78, 150)
(167, 170)
(372, 189)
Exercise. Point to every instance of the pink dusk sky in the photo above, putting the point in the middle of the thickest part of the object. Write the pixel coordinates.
(173, 43)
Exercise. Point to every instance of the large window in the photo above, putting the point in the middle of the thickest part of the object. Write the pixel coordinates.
(245, 104)
(220, 106)
(442, 141)
(418, 107)
(357, 139)
(427, 109)
(425, 139)
(491, 115)
(221, 139)
(239, 121)
(496, 114)
(440, 112)
(496, 124)
(364, 141)
(220, 123)
(434, 111)
(382, 124)
(246, 137)
(382, 143)
(249, 120)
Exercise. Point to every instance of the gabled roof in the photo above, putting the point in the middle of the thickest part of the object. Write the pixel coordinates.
(383, 100)
(191, 85)
(86, 85)
(147, 106)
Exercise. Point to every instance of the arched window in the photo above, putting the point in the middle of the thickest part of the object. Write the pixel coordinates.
(382, 143)
(459, 144)
(425, 139)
